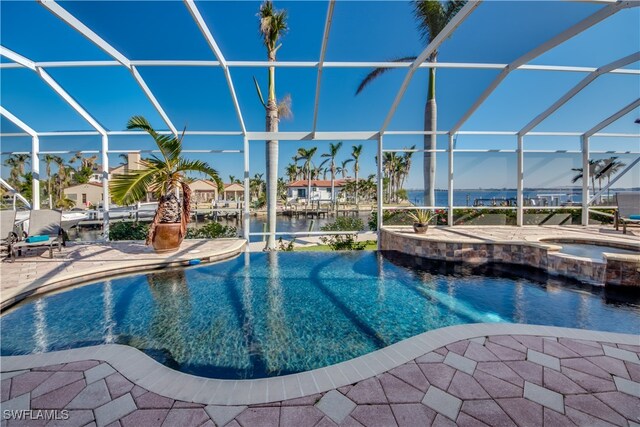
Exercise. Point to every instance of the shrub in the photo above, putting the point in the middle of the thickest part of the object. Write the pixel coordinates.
(211, 230)
(128, 231)
(341, 242)
(285, 247)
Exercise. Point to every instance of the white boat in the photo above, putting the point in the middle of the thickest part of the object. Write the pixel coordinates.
(69, 218)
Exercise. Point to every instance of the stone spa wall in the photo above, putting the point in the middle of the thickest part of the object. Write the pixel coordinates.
(615, 270)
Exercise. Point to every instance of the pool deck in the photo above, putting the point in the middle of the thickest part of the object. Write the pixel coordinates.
(466, 375)
(481, 234)
(78, 263)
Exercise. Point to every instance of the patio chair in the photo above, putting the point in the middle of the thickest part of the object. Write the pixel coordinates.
(628, 212)
(8, 235)
(45, 230)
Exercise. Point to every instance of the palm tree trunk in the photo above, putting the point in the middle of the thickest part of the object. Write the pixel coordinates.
(308, 182)
(333, 183)
(430, 141)
(356, 174)
(272, 162)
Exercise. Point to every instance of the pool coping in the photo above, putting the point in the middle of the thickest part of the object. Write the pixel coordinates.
(142, 370)
(539, 251)
(86, 276)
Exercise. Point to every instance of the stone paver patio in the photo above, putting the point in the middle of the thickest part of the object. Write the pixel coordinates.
(499, 380)
(82, 262)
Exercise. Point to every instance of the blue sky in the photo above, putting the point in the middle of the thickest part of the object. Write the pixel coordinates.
(198, 97)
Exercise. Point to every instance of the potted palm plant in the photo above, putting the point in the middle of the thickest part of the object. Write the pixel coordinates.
(421, 218)
(164, 176)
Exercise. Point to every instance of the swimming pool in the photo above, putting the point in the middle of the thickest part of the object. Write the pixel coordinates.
(267, 314)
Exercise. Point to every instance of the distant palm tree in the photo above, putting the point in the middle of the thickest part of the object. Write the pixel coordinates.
(124, 159)
(48, 159)
(355, 153)
(17, 163)
(62, 175)
(307, 155)
(333, 152)
(272, 25)
(291, 171)
(610, 167)
(343, 169)
(594, 166)
(432, 16)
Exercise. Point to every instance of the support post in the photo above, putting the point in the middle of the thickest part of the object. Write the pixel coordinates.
(585, 180)
(520, 182)
(247, 197)
(379, 189)
(35, 172)
(104, 152)
(450, 187)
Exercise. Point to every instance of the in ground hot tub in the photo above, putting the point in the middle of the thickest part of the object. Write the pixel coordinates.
(594, 251)
(595, 261)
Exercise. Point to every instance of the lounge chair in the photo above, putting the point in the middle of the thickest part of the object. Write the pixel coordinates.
(46, 231)
(8, 235)
(628, 212)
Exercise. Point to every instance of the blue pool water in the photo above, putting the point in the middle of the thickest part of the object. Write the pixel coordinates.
(264, 314)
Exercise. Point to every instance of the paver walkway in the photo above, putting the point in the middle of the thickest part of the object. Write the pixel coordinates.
(80, 262)
(501, 380)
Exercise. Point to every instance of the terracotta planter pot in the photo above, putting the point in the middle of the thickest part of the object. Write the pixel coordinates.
(167, 237)
(420, 228)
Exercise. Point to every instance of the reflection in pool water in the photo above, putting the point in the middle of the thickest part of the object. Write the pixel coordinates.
(270, 314)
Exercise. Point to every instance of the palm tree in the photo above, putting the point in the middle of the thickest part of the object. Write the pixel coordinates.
(48, 159)
(291, 171)
(307, 155)
(272, 25)
(62, 175)
(343, 169)
(124, 159)
(164, 177)
(333, 152)
(432, 16)
(17, 163)
(611, 167)
(594, 166)
(355, 153)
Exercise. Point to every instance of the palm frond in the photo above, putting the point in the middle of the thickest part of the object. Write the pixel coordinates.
(377, 72)
(132, 187)
(185, 165)
(260, 97)
(284, 107)
(170, 146)
(430, 15)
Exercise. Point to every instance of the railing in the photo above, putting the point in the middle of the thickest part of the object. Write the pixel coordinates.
(16, 196)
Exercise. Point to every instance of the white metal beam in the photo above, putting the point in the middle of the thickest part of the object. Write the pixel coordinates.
(432, 47)
(77, 25)
(204, 28)
(65, 16)
(16, 121)
(313, 64)
(35, 156)
(577, 88)
(19, 59)
(581, 26)
(323, 52)
(306, 136)
(609, 120)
